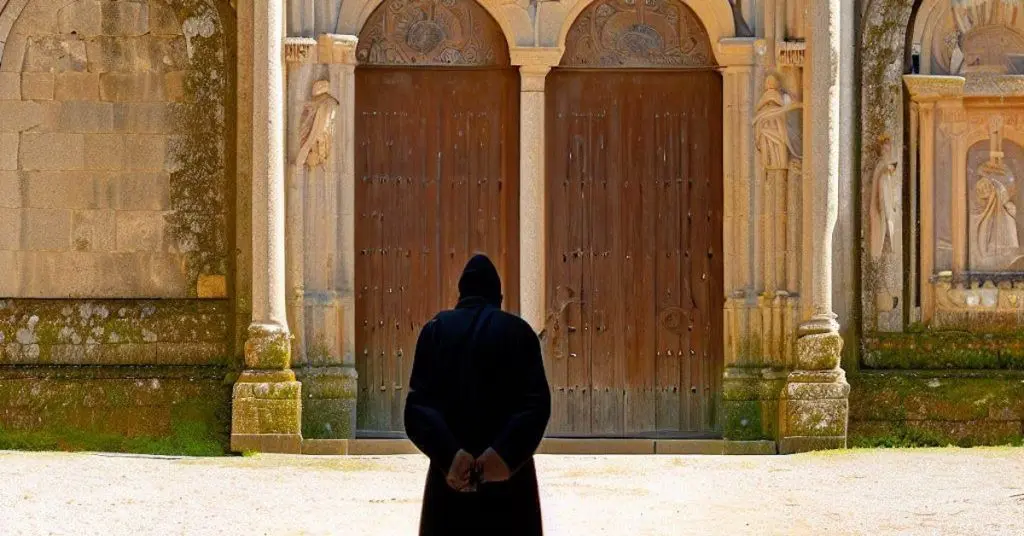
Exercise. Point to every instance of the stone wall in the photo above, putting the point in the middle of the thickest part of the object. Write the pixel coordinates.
(117, 143)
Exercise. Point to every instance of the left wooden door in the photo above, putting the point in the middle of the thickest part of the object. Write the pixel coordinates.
(437, 179)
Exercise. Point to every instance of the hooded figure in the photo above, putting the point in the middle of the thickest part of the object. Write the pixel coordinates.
(478, 405)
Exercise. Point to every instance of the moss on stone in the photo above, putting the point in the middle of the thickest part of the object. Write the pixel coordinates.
(929, 349)
(744, 420)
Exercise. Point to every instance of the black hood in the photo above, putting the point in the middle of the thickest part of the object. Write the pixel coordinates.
(480, 280)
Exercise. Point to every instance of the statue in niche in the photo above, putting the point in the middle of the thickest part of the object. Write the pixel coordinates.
(316, 126)
(995, 213)
(884, 203)
(773, 136)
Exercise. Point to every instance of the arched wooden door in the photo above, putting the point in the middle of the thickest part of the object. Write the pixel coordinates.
(634, 255)
(437, 110)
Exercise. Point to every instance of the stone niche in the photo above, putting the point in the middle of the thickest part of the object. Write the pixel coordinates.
(967, 159)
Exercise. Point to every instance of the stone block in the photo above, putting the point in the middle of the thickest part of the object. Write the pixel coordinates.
(84, 116)
(174, 82)
(269, 443)
(37, 86)
(10, 229)
(147, 152)
(10, 86)
(116, 54)
(689, 446)
(125, 18)
(38, 18)
(68, 189)
(83, 18)
(750, 448)
(77, 86)
(13, 53)
(165, 54)
(324, 447)
(93, 230)
(824, 418)
(8, 151)
(144, 191)
(819, 351)
(104, 151)
(749, 419)
(10, 274)
(52, 151)
(796, 445)
(192, 353)
(817, 391)
(16, 116)
(390, 447)
(55, 54)
(267, 348)
(46, 229)
(256, 415)
(163, 20)
(140, 231)
(132, 87)
(149, 118)
(333, 418)
(10, 189)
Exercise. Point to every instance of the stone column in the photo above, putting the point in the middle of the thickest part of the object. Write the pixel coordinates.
(814, 407)
(534, 65)
(266, 401)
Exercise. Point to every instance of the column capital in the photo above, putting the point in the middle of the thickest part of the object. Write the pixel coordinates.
(300, 50)
(338, 48)
(534, 64)
(738, 51)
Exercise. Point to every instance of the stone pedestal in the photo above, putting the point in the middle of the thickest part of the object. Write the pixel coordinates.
(266, 411)
(814, 405)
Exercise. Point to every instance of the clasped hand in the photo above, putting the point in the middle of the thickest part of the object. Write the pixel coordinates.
(466, 472)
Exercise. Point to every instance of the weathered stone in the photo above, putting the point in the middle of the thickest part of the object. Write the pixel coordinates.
(162, 19)
(93, 230)
(13, 55)
(53, 151)
(82, 17)
(147, 152)
(824, 418)
(104, 151)
(55, 54)
(748, 448)
(67, 189)
(125, 18)
(265, 415)
(132, 87)
(10, 86)
(165, 54)
(10, 190)
(149, 118)
(267, 348)
(212, 286)
(10, 223)
(192, 353)
(795, 445)
(749, 420)
(140, 231)
(77, 86)
(329, 418)
(16, 116)
(46, 229)
(144, 191)
(817, 391)
(819, 351)
(8, 151)
(82, 116)
(37, 86)
(174, 82)
(751, 389)
(115, 54)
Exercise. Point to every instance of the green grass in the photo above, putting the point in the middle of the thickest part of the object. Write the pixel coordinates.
(186, 439)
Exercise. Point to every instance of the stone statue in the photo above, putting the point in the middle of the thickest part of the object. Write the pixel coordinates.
(771, 126)
(316, 126)
(884, 205)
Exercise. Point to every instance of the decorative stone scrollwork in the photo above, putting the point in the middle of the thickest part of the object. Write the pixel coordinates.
(300, 50)
(316, 126)
(431, 32)
(638, 33)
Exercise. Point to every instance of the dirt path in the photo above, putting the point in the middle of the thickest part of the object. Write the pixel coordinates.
(941, 491)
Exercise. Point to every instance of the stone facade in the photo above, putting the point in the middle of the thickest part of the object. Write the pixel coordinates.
(177, 200)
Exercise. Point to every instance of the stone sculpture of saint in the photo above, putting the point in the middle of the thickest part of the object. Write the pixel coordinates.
(316, 126)
(997, 222)
(770, 126)
(884, 205)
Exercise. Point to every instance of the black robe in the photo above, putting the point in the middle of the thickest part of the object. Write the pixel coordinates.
(478, 382)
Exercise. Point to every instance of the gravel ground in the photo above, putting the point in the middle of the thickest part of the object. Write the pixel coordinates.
(934, 491)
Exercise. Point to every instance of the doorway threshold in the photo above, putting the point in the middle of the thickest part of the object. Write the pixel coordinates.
(553, 446)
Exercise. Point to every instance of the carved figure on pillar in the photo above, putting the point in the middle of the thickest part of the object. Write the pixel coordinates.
(316, 126)
(771, 126)
(884, 200)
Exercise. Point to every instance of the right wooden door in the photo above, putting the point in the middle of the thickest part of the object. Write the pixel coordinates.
(633, 338)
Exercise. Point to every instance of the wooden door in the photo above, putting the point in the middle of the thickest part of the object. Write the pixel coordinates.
(437, 180)
(634, 255)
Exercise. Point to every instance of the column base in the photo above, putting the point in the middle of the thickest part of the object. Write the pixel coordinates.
(750, 403)
(329, 402)
(266, 412)
(814, 408)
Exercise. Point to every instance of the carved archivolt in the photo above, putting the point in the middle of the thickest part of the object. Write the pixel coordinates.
(637, 33)
(431, 32)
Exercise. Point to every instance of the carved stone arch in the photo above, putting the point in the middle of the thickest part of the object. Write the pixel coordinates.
(715, 20)
(432, 32)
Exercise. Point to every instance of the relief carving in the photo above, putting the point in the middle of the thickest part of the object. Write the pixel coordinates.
(995, 240)
(885, 202)
(980, 36)
(431, 32)
(638, 33)
(316, 126)
(776, 142)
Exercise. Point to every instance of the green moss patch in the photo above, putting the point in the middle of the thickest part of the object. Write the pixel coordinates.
(944, 350)
(186, 439)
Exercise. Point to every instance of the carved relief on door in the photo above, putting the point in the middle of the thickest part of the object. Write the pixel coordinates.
(638, 33)
(431, 32)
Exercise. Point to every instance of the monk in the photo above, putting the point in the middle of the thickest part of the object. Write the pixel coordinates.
(477, 407)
